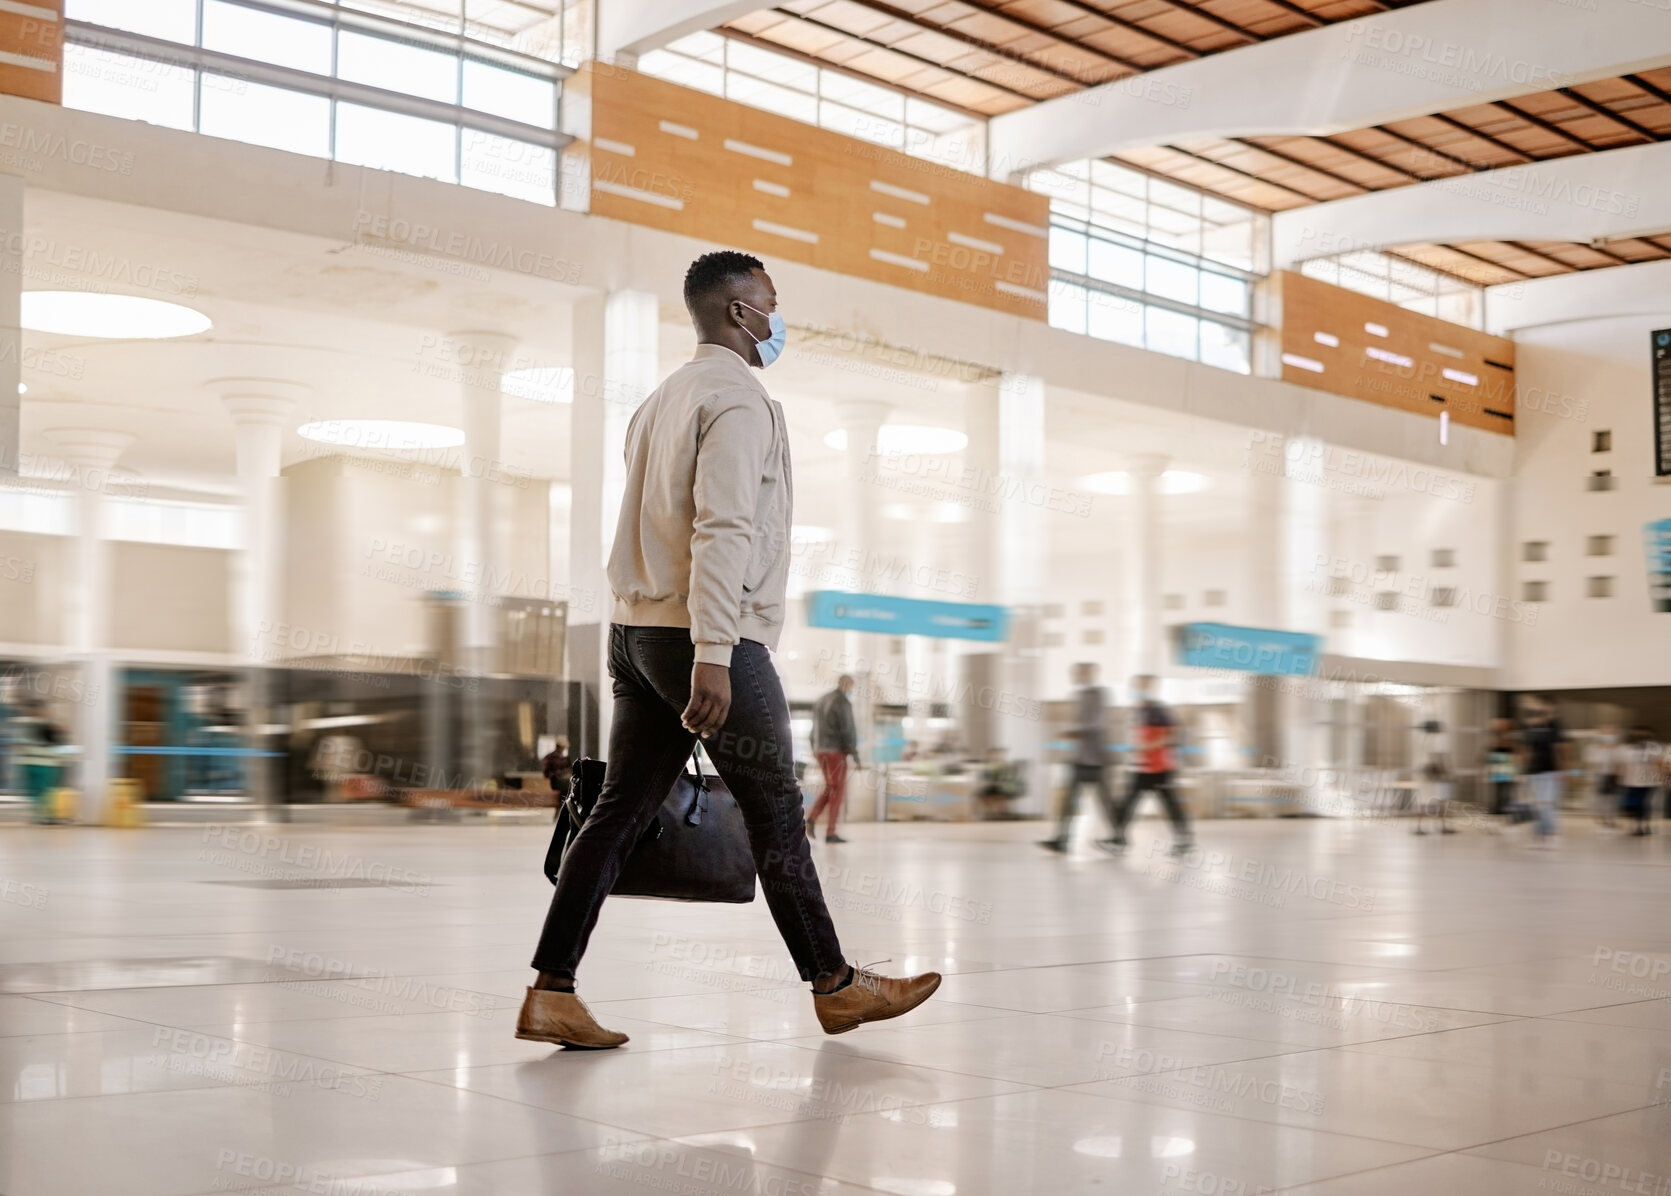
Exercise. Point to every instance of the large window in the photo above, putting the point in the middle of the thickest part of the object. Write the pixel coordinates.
(1148, 263)
(820, 96)
(555, 30)
(47, 510)
(419, 95)
(1403, 282)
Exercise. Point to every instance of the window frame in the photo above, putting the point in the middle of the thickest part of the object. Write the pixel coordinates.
(1064, 225)
(204, 62)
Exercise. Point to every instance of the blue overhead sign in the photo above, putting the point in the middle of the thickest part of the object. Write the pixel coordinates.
(1659, 565)
(1249, 649)
(887, 615)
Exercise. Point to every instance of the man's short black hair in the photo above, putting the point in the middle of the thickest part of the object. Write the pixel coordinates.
(712, 271)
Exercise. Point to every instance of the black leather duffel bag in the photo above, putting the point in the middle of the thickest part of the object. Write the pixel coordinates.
(695, 848)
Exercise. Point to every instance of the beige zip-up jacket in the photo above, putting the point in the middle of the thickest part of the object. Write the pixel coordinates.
(703, 538)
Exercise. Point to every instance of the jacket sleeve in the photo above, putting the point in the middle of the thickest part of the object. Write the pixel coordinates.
(849, 732)
(731, 448)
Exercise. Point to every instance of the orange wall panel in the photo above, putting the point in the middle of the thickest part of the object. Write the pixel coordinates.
(1406, 367)
(692, 163)
(28, 39)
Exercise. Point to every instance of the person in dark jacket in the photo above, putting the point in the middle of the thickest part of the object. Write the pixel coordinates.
(835, 738)
(1090, 755)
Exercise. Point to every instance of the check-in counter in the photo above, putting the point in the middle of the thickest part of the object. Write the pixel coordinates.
(926, 797)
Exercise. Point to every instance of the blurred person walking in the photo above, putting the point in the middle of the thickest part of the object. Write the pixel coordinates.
(1090, 755)
(1436, 775)
(835, 738)
(699, 571)
(1601, 761)
(37, 740)
(1642, 765)
(1502, 754)
(1546, 754)
(1156, 732)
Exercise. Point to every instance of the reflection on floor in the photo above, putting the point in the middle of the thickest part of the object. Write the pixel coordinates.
(1314, 1007)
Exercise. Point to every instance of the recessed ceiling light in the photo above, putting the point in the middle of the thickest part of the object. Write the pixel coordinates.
(381, 435)
(109, 317)
(542, 384)
(907, 438)
(1173, 481)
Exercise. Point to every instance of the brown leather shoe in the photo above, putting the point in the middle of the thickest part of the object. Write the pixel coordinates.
(872, 998)
(563, 1018)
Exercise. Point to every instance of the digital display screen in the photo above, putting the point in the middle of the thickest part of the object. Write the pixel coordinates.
(1662, 402)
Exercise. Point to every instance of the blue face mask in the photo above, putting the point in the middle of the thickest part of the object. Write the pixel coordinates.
(771, 348)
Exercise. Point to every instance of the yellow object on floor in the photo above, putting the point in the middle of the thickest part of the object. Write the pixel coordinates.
(64, 804)
(127, 803)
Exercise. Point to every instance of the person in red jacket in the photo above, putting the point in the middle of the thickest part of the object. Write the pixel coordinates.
(1156, 734)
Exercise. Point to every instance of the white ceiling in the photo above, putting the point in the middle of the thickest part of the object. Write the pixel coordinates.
(367, 331)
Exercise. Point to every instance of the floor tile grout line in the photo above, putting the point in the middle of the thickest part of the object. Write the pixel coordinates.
(423, 1077)
(1277, 1125)
(793, 1042)
(1328, 1179)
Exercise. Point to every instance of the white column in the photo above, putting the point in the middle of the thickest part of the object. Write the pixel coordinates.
(260, 408)
(1262, 515)
(1305, 533)
(1144, 648)
(1287, 530)
(616, 366)
(921, 654)
(91, 454)
(11, 319)
(861, 514)
(485, 357)
(1021, 562)
(861, 545)
(977, 663)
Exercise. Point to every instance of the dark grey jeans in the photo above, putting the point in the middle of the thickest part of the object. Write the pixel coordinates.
(1160, 784)
(648, 747)
(1096, 776)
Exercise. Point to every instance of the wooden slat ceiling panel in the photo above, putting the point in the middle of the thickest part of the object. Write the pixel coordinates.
(989, 57)
(1449, 260)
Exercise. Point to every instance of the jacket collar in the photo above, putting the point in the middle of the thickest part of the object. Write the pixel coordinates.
(712, 352)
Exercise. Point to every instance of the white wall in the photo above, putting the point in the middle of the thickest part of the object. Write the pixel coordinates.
(31, 588)
(168, 598)
(1411, 527)
(1594, 376)
(367, 539)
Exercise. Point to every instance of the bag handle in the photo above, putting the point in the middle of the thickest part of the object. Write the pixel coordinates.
(693, 816)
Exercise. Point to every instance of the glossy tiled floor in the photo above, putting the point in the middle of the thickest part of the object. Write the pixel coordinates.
(1310, 1007)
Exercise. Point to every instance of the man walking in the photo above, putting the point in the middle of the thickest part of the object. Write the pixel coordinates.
(1090, 754)
(1156, 733)
(1547, 754)
(835, 737)
(699, 571)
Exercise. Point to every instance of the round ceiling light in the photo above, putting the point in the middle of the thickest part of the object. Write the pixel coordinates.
(110, 317)
(907, 438)
(542, 384)
(1173, 481)
(381, 435)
